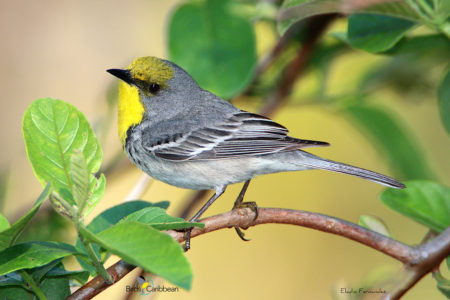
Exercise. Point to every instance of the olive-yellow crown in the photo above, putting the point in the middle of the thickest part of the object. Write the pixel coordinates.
(150, 74)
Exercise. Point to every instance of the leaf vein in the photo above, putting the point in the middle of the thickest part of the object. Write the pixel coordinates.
(76, 131)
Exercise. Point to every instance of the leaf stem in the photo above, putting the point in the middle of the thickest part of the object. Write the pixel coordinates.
(33, 285)
(423, 16)
(436, 5)
(445, 29)
(426, 8)
(96, 261)
(430, 16)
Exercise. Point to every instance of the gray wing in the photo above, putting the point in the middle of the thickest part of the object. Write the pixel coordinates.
(241, 134)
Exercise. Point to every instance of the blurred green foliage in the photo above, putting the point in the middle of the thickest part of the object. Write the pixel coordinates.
(444, 101)
(215, 44)
(376, 33)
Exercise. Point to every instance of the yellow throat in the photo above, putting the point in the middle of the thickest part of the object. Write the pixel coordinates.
(130, 108)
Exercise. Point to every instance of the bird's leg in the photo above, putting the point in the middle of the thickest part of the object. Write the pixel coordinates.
(218, 192)
(240, 204)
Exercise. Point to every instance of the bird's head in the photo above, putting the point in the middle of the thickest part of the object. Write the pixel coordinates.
(148, 82)
(148, 74)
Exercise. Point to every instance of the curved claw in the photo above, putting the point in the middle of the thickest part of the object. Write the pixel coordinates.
(241, 234)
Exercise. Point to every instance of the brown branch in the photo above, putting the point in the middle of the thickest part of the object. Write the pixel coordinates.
(98, 285)
(419, 260)
(431, 254)
(315, 28)
(243, 218)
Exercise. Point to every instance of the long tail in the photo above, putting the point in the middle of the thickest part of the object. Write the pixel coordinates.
(316, 162)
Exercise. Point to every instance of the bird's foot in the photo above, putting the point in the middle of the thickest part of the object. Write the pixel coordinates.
(187, 239)
(254, 207)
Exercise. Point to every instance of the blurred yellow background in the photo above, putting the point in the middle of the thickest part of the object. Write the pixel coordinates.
(61, 49)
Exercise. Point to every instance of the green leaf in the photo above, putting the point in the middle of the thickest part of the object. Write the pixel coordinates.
(80, 276)
(444, 101)
(9, 236)
(376, 33)
(11, 279)
(374, 223)
(443, 284)
(146, 247)
(294, 11)
(444, 9)
(79, 175)
(97, 189)
(52, 130)
(14, 293)
(432, 47)
(38, 273)
(54, 276)
(159, 219)
(110, 217)
(56, 269)
(426, 202)
(56, 288)
(32, 255)
(215, 44)
(4, 224)
(114, 214)
(447, 260)
(391, 136)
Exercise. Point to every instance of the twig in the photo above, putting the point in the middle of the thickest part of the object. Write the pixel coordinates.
(295, 69)
(431, 254)
(97, 284)
(421, 259)
(139, 189)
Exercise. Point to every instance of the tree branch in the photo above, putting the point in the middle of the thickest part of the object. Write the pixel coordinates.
(431, 254)
(418, 260)
(243, 218)
(97, 285)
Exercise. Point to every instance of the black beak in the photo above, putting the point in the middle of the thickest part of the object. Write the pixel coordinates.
(125, 75)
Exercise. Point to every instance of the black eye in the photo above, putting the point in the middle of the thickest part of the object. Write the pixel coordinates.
(154, 88)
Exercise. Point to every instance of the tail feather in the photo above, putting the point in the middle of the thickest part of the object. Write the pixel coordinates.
(325, 164)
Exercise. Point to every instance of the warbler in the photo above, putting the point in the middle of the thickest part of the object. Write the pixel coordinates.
(185, 136)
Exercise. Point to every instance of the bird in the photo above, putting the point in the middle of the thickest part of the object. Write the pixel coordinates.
(188, 137)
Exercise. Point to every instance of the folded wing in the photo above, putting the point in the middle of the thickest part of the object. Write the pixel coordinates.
(242, 134)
